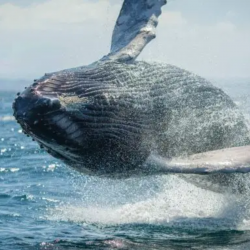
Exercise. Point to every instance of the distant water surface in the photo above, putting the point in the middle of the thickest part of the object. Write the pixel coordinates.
(46, 205)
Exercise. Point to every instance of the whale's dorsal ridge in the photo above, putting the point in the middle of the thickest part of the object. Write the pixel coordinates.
(135, 28)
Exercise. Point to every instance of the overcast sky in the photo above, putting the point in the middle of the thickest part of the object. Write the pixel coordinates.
(209, 37)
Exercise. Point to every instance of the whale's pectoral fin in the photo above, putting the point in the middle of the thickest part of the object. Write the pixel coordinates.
(134, 29)
(229, 160)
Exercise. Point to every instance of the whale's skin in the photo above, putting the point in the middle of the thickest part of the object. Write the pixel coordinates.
(107, 118)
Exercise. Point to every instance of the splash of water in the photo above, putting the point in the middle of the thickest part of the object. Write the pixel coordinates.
(176, 204)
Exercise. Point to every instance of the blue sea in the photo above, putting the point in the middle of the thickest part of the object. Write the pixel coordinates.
(46, 205)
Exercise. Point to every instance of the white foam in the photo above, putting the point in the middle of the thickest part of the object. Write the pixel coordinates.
(177, 204)
(13, 170)
(50, 200)
(3, 150)
(7, 118)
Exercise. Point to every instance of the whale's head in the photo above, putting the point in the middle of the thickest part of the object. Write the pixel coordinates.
(42, 115)
(31, 109)
(71, 116)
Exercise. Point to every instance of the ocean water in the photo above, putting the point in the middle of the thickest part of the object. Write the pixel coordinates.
(46, 205)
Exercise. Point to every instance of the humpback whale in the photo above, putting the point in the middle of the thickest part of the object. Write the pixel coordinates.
(119, 117)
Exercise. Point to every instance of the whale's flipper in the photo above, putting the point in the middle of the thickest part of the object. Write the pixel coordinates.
(229, 160)
(135, 28)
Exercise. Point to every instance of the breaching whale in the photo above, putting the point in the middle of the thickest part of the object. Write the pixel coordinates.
(119, 117)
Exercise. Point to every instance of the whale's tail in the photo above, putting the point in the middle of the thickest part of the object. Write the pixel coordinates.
(134, 29)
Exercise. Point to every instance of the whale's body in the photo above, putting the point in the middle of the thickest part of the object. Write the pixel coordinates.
(107, 119)
(119, 118)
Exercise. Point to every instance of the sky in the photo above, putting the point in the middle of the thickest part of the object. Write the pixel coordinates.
(210, 38)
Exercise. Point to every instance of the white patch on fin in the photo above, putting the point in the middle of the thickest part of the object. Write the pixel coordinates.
(229, 160)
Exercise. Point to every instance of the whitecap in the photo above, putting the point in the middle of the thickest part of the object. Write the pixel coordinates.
(50, 200)
(3, 150)
(13, 170)
(51, 167)
(7, 118)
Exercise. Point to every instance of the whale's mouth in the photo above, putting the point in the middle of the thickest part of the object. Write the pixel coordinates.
(32, 111)
(29, 107)
(42, 117)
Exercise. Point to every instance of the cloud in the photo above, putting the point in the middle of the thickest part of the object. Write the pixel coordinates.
(50, 35)
(213, 49)
(172, 18)
(53, 13)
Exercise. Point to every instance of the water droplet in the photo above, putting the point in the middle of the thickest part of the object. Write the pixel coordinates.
(3, 150)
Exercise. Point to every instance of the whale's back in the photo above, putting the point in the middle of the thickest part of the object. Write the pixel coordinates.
(188, 114)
